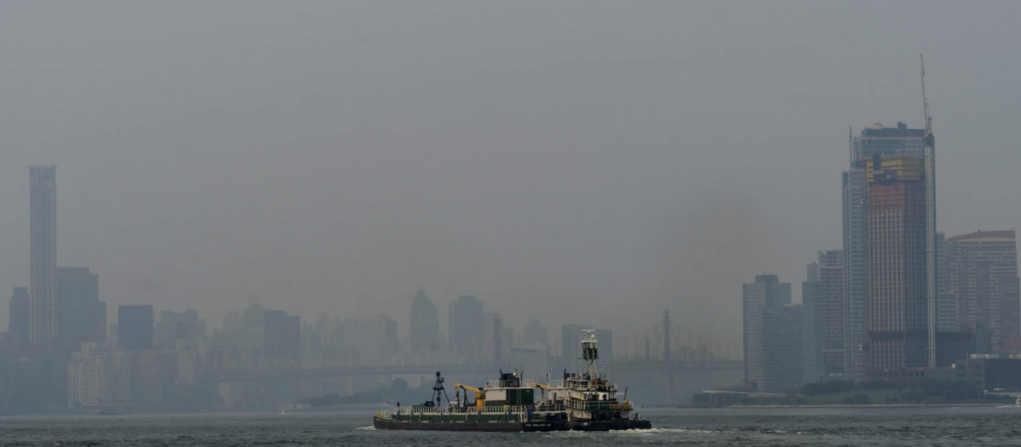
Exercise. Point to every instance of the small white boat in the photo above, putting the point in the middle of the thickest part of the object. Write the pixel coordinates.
(1018, 401)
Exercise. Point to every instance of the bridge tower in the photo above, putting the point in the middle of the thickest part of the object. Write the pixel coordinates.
(666, 336)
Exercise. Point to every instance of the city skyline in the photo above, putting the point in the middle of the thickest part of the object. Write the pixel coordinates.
(582, 164)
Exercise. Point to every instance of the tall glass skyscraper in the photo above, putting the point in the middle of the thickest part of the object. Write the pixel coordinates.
(43, 246)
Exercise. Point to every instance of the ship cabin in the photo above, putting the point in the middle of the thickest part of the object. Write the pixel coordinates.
(508, 391)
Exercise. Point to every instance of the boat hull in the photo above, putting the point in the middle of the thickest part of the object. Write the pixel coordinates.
(538, 426)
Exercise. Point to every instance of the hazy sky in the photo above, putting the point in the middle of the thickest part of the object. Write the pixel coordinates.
(578, 161)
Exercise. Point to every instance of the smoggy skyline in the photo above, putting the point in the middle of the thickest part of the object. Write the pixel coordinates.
(619, 157)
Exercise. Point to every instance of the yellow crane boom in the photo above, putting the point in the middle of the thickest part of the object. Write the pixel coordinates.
(480, 396)
(539, 385)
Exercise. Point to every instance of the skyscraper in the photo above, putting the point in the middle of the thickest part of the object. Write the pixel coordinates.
(282, 335)
(82, 316)
(874, 140)
(43, 247)
(18, 320)
(897, 232)
(135, 326)
(773, 336)
(425, 324)
(467, 322)
(983, 276)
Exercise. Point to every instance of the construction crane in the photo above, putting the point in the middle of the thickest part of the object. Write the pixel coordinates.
(930, 222)
(480, 396)
(929, 140)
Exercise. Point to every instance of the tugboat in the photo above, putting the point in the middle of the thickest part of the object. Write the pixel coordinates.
(582, 401)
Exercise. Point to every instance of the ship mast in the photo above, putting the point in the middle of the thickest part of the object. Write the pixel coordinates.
(590, 352)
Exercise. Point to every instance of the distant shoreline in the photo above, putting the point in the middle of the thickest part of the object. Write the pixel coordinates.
(861, 406)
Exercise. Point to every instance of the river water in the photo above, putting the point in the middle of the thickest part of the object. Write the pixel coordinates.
(718, 427)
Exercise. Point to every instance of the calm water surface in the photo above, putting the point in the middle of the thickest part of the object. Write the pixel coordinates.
(808, 427)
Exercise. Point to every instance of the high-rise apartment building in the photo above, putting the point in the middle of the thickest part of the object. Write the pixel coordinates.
(773, 336)
(135, 326)
(983, 277)
(897, 278)
(425, 324)
(43, 247)
(18, 329)
(874, 140)
(82, 316)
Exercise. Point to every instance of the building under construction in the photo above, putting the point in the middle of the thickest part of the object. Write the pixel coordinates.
(886, 143)
(898, 308)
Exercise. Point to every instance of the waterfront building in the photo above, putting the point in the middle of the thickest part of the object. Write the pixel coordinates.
(146, 386)
(983, 277)
(91, 378)
(773, 336)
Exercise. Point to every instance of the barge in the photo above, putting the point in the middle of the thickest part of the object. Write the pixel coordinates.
(582, 401)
